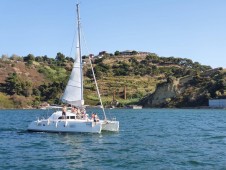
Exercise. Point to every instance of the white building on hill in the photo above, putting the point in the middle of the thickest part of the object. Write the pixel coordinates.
(219, 103)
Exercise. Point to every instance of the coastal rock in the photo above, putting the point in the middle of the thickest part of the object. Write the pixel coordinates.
(188, 91)
(163, 94)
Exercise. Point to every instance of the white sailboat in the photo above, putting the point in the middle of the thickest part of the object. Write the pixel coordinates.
(73, 95)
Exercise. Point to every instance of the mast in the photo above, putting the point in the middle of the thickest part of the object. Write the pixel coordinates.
(80, 59)
(79, 49)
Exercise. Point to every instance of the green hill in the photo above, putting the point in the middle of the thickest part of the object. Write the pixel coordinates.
(128, 79)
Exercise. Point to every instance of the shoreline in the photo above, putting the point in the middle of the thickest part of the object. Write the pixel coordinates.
(97, 107)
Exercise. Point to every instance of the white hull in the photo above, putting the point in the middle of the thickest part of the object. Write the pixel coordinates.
(55, 123)
(72, 125)
(65, 126)
(110, 125)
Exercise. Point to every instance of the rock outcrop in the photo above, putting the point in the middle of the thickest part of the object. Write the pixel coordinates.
(163, 94)
(188, 91)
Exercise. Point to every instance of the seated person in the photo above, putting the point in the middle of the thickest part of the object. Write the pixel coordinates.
(96, 118)
(74, 110)
(83, 113)
(78, 114)
(93, 116)
(64, 111)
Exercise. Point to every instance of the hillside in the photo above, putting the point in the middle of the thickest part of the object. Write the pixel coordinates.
(134, 78)
(188, 91)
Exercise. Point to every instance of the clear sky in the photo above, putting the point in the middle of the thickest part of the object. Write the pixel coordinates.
(194, 29)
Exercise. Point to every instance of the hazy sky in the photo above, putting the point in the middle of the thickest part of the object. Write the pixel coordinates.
(194, 29)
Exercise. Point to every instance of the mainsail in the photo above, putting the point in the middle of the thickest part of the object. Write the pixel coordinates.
(73, 93)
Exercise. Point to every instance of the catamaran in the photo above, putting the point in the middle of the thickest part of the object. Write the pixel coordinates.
(73, 95)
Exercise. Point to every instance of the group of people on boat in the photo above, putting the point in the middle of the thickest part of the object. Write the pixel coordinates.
(79, 112)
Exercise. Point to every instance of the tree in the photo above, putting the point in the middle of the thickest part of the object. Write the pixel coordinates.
(134, 52)
(89, 73)
(134, 61)
(4, 57)
(70, 59)
(12, 85)
(117, 53)
(16, 58)
(36, 92)
(29, 58)
(45, 58)
(60, 57)
(26, 88)
(122, 69)
(17, 85)
(39, 59)
(51, 91)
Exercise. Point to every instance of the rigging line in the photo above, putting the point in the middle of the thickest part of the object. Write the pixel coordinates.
(85, 46)
(72, 45)
(73, 41)
(85, 42)
(98, 92)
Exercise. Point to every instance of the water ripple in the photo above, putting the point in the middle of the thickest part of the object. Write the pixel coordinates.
(148, 139)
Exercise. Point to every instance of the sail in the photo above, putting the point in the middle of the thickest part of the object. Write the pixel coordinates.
(73, 93)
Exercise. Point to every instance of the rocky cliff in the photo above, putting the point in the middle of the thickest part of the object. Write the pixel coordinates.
(163, 94)
(189, 91)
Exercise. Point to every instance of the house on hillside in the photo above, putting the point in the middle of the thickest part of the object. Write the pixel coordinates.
(143, 53)
(102, 53)
(127, 52)
(132, 52)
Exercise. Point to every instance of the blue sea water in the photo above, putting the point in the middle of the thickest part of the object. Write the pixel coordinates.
(148, 139)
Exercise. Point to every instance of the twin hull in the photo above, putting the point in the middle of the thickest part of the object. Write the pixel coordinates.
(53, 124)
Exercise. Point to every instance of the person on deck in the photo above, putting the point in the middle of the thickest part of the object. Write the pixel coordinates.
(74, 110)
(64, 110)
(78, 113)
(93, 117)
(83, 113)
(96, 118)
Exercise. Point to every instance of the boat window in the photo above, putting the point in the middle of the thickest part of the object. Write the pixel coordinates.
(60, 117)
(67, 117)
(72, 117)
